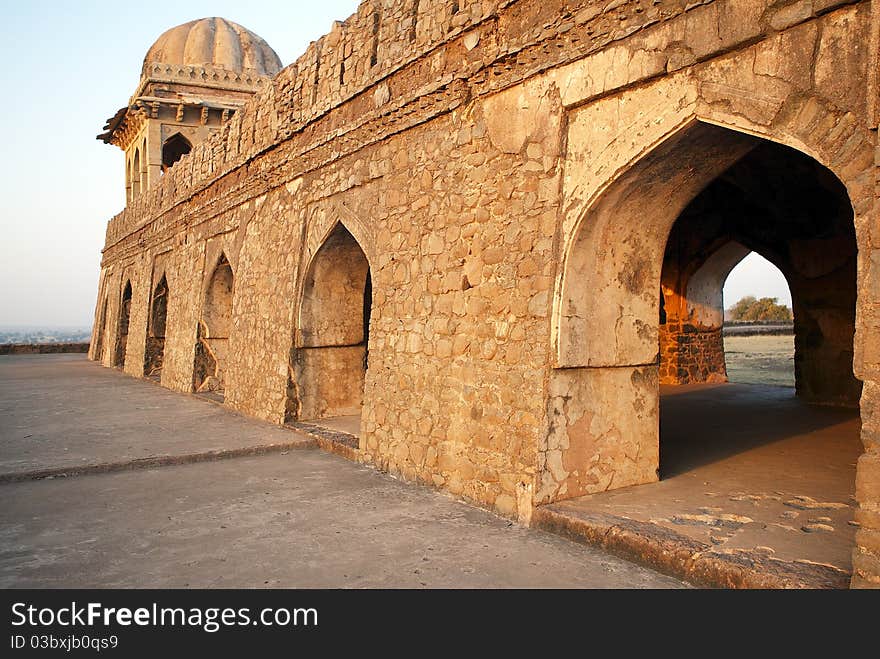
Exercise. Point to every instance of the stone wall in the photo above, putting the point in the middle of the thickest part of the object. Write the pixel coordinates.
(463, 151)
(866, 554)
(690, 354)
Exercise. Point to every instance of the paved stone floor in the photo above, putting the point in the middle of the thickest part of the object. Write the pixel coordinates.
(63, 411)
(749, 469)
(348, 424)
(297, 519)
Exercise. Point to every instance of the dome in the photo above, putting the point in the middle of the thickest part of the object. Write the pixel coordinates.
(214, 42)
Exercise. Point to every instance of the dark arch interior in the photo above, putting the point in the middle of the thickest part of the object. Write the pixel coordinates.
(122, 331)
(215, 327)
(329, 361)
(174, 148)
(794, 212)
(102, 328)
(154, 355)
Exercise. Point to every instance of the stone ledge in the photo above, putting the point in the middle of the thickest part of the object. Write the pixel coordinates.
(679, 556)
(333, 441)
(42, 348)
(155, 461)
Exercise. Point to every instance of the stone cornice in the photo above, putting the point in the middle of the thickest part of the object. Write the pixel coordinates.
(203, 76)
(124, 127)
(127, 122)
(296, 138)
(187, 100)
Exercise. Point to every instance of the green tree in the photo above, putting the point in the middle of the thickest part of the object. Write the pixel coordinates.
(752, 309)
(739, 310)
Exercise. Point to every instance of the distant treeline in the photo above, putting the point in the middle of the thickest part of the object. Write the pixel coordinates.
(765, 309)
(43, 335)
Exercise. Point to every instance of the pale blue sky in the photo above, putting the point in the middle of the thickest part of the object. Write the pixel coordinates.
(68, 66)
(755, 275)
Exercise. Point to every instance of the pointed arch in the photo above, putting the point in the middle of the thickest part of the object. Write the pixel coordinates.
(123, 324)
(159, 308)
(608, 307)
(173, 149)
(215, 326)
(217, 308)
(136, 173)
(338, 271)
(154, 354)
(765, 356)
(329, 360)
(100, 331)
(324, 224)
(612, 257)
(704, 295)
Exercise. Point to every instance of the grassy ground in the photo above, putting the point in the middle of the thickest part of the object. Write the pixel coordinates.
(760, 359)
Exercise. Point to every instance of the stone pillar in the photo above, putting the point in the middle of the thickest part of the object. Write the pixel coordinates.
(692, 317)
(603, 433)
(153, 160)
(690, 354)
(866, 553)
(822, 276)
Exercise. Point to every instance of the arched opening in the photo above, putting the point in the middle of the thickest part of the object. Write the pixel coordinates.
(213, 332)
(136, 173)
(154, 355)
(174, 148)
(122, 327)
(713, 334)
(329, 359)
(692, 318)
(758, 324)
(740, 461)
(100, 331)
(795, 213)
(128, 178)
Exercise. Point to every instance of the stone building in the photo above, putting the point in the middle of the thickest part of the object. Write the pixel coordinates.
(471, 223)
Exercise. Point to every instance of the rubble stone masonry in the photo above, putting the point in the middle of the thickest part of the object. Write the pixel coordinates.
(511, 171)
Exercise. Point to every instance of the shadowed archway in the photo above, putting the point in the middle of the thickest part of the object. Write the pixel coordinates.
(122, 326)
(155, 345)
(702, 188)
(677, 221)
(214, 329)
(329, 358)
(100, 331)
(174, 148)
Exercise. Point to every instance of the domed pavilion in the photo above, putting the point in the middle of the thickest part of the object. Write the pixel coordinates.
(194, 77)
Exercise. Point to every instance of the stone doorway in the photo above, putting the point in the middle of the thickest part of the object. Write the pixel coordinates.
(712, 196)
(213, 332)
(770, 454)
(792, 211)
(758, 333)
(329, 360)
(122, 327)
(101, 330)
(154, 355)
